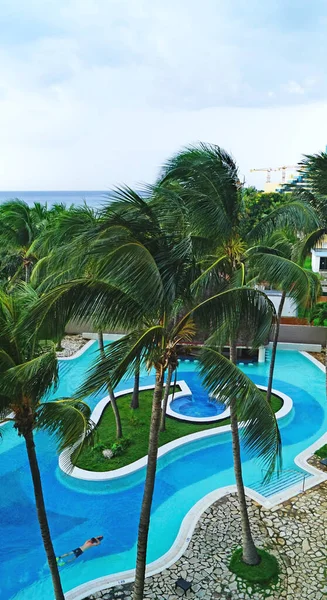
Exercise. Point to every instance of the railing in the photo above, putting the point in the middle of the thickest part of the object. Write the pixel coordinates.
(291, 472)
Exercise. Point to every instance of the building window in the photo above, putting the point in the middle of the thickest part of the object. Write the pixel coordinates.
(323, 263)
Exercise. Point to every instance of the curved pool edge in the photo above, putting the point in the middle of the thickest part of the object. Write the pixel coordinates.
(79, 352)
(69, 469)
(188, 419)
(191, 519)
(187, 528)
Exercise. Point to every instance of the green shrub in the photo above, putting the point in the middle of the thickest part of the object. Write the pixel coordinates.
(318, 323)
(101, 446)
(117, 448)
(322, 452)
(120, 446)
(263, 573)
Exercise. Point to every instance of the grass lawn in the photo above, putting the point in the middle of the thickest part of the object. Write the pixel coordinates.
(263, 573)
(136, 428)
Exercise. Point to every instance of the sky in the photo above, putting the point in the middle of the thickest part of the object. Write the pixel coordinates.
(96, 93)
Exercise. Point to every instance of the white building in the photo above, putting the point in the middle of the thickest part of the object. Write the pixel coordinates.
(319, 261)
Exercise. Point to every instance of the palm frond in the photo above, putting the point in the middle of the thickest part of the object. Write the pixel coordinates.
(212, 276)
(133, 269)
(306, 244)
(233, 313)
(211, 185)
(82, 299)
(33, 378)
(67, 420)
(301, 284)
(259, 426)
(295, 216)
(121, 357)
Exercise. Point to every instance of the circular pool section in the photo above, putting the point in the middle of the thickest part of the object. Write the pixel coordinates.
(200, 406)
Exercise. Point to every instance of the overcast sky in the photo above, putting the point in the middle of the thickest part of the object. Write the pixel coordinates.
(94, 93)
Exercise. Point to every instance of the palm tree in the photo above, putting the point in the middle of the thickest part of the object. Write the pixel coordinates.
(135, 394)
(143, 287)
(314, 173)
(113, 402)
(211, 193)
(146, 262)
(67, 244)
(276, 263)
(157, 344)
(20, 225)
(170, 371)
(206, 180)
(260, 431)
(28, 372)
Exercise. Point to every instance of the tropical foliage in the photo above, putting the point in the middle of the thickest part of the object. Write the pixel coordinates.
(177, 264)
(28, 373)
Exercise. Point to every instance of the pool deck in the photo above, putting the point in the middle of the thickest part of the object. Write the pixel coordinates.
(295, 532)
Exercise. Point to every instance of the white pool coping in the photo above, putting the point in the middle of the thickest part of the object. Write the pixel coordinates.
(192, 517)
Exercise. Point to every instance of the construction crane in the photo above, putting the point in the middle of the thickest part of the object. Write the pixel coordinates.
(269, 170)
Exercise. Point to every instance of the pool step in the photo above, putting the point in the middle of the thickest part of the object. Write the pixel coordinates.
(65, 367)
(267, 355)
(287, 478)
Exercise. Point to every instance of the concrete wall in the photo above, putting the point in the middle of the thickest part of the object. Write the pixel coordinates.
(74, 327)
(300, 334)
(303, 334)
(289, 308)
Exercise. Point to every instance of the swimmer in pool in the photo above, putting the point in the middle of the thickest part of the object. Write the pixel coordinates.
(62, 559)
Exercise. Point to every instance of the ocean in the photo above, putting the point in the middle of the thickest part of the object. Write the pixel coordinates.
(93, 199)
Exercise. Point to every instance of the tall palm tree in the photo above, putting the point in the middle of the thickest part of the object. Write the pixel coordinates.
(276, 263)
(211, 194)
(259, 429)
(136, 394)
(144, 287)
(170, 370)
(157, 344)
(28, 372)
(66, 255)
(206, 180)
(113, 402)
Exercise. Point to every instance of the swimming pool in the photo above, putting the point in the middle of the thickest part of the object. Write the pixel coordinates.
(80, 509)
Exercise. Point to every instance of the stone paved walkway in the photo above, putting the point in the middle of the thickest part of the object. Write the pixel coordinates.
(70, 345)
(296, 533)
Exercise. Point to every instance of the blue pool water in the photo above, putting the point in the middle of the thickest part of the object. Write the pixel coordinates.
(79, 509)
(199, 404)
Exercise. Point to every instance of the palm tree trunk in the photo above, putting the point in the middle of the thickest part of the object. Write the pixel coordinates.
(165, 399)
(42, 516)
(28, 269)
(274, 348)
(135, 395)
(144, 523)
(119, 429)
(250, 554)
